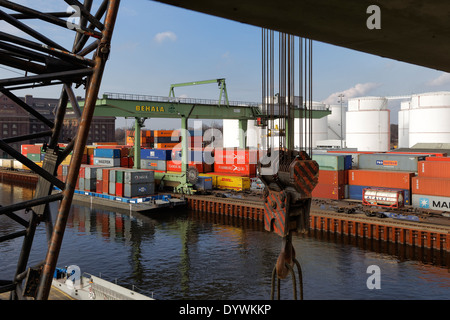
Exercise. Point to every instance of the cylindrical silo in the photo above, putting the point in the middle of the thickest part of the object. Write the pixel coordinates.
(368, 124)
(336, 122)
(429, 116)
(403, 125)
(319, 128)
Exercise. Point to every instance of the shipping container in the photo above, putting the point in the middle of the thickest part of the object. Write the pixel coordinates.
(110, 162)
(159, 165)
(81, 184)
(166, 145)
(390, 161)
(90, 185)
(99, 186)
(105, 180)
(36, 157)
(168, 139)
(204, 183)
(119, 189)
(242, 169)
(165, 133)
(431, 186)
(156, 154)
(431, 154)
(107, 153)
(139, 176)
(425, 201)
(333, 177)
(329, 191)
(90, 172)
(332, 162)
(235, 156)
(213, 178)
(437, 159)
(355, 192)
(175, 166)
(233, 183)
(437, 169)
(193, 155)
(30, 148)
(380, 178)
(138, 190)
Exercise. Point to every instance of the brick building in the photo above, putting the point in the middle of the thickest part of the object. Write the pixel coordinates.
(14, 121)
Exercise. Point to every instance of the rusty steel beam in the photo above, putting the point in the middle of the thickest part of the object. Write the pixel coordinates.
(48, 63)
(91, 97)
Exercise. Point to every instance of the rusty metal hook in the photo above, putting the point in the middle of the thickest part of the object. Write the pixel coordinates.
(285, 266)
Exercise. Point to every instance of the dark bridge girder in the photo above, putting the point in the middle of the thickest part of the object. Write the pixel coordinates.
(412, 31)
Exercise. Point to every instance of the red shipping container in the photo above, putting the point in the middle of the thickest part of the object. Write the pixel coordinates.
(124, 162)
(130, 162)
(99, 186)
(176, 166)
(380, 178)
(235, 156)
(119, 189)
(329, 191)
(82, 170)
(30, 148)
(244, 169)
(91, 159)
(435, 154)
(105, 180)
(431, 186)
(333, 177)
(436, 169)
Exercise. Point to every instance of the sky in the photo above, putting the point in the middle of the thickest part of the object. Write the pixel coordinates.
(155, 45)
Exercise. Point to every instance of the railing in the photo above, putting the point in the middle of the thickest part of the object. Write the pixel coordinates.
(140, 97)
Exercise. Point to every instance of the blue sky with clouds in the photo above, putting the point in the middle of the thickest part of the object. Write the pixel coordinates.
(155, 45)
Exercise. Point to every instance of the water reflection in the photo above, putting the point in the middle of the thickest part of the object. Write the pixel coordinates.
(193, 255)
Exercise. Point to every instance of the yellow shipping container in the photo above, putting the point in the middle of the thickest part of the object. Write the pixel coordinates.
(67, 159)
(234, 183)
(89, 150)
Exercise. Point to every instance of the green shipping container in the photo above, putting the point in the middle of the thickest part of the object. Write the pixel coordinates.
(119, 176)
(36, 157)
(329, 162)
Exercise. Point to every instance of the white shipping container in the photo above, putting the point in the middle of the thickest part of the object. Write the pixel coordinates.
(107, 162)
(431, 202)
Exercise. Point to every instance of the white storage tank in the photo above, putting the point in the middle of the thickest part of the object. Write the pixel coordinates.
(334, 122)
(368, 124)
(319, 127)
(429, 116)
(403, 125)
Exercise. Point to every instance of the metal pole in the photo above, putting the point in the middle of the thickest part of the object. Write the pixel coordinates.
(88, 111)
(341, 96)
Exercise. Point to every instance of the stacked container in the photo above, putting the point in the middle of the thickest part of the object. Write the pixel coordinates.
(431, 188)
(138, 183)
(108, 157)
(332, 175)
(384, 170)
(166, 138)
(155, 159)
(236, 161)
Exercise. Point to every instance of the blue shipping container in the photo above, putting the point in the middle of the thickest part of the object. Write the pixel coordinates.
(156, 154)
(355, 192)
(107, 153)
(204, 183)
(193, 155)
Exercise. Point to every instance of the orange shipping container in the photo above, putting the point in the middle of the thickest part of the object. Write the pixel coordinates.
(431, 186)
(436, 169)
(380, 178)
(333, 177)
(437, 159)
(329, 191)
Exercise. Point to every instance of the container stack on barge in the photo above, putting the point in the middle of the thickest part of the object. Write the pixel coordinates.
(229, 175)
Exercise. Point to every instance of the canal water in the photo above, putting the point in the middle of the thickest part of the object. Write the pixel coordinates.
(198, 256)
